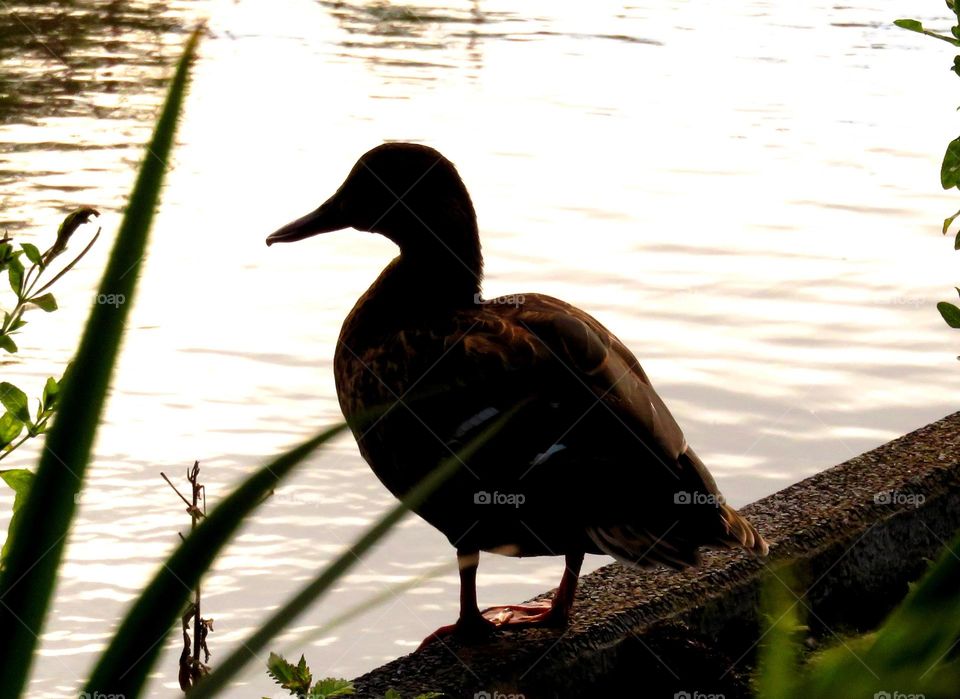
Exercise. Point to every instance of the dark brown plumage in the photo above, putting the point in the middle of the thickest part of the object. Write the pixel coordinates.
(593, 462)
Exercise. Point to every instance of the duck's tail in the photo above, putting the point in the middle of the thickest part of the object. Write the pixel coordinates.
(638, 547)
(734, 529)
(719, 525)
(740, 532)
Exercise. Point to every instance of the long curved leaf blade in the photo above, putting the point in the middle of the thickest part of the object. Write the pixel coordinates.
(249, 649)
(27, 581)
(123, 667)
(388, 593)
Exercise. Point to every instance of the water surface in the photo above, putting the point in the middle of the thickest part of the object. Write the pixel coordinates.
(746, 194)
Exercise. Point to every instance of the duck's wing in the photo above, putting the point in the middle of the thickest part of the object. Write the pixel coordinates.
(550, 338)
(603, 364)
(544, 336)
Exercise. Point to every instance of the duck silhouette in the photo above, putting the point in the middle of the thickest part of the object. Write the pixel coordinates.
(591, 462)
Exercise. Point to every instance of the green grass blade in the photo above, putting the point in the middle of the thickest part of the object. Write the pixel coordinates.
(388, 593)
(27, 581)
(778, 659)
(248, 650)
(124, 665)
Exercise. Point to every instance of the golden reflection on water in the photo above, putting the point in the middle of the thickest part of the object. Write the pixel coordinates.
(747, 196)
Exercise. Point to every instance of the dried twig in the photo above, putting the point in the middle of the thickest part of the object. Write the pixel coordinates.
(191, 667)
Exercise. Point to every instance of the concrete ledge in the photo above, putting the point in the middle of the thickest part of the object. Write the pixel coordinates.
(858, 531)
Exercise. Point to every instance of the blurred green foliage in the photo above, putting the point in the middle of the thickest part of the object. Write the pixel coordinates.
(913, 653)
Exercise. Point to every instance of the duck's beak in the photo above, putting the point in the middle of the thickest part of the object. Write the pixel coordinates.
(329, 217)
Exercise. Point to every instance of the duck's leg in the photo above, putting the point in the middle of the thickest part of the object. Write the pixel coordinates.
(471, 625)
(553, 613)
(474, 625)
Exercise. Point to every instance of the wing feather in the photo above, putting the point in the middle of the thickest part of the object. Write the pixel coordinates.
(548, 337)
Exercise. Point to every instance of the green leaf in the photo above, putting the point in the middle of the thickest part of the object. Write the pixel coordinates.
(51, 391)
(19, 479)
(15, 401)
(15, 274)
(950, 170)
(30, 250)
(910, 24)
(392, 694)
(947, 221)
(331, 687)
(26, 584)
(7, 343)
(45, 302)
(10, 429)
(70, 224)
(956, 242)
(296, 678)
(950, 313)
(915, 26)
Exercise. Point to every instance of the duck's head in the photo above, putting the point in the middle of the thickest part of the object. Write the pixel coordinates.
(412, 195)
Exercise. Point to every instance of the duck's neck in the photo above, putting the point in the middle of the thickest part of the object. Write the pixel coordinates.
(441, 279)
(440, 262)
(416, 286)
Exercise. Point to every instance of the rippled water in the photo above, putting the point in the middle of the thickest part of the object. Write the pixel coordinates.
(746, 194)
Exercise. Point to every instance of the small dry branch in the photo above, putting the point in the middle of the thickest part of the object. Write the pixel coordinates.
(192, 668)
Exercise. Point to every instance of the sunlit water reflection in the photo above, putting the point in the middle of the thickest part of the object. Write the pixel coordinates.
(746, 195)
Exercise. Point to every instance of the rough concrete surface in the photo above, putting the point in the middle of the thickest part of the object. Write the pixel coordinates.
(858, 533)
